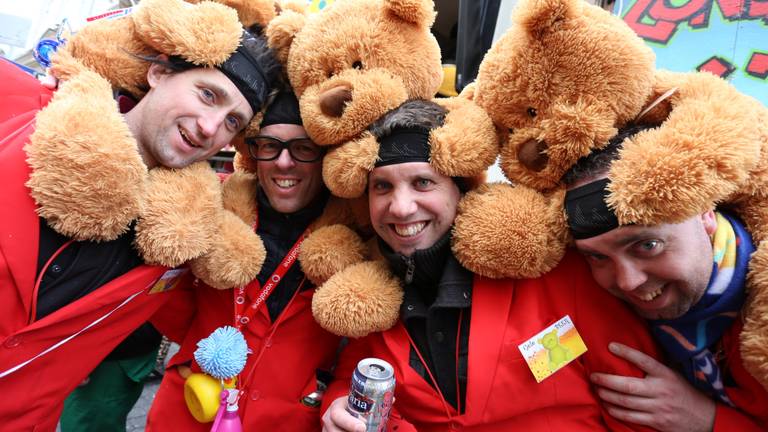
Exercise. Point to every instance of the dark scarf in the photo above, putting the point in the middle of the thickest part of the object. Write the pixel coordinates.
(689, 338)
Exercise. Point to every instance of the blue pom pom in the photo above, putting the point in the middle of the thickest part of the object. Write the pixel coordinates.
(222, 354)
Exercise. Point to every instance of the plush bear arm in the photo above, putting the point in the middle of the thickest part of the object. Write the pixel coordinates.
(235, 256)
(346, 167)
(466, 144)
(74, 161)
(703, 153)
(328, 250)
(510, 231)
(180, 208)
(361, 299)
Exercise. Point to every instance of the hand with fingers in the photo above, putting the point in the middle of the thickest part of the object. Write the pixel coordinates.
(663, 400)
(337, 419)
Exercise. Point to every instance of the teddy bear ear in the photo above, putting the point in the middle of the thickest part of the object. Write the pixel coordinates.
(346, 167)
(175, 27)
(251, 12)
(282, 29)
(539, 16)
(466, 144)
(420, 12)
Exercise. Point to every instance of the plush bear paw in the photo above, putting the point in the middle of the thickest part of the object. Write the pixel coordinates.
(510, 231)
(328, 250)
(180, 207)
(361, 299)
(235, 256)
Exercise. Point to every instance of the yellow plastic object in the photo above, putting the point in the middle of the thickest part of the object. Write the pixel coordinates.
(203, 395)
(448, 86)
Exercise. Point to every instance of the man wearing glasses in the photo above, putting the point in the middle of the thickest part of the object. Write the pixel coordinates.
(281, 384)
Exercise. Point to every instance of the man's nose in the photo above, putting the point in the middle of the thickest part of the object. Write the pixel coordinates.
(284, 159)
(210, 123)
(402, 204)
(629, 276)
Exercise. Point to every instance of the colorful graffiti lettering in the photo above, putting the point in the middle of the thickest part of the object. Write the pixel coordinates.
(728, 38)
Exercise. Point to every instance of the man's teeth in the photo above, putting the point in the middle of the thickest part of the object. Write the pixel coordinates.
(650, 296)
(286, 183)
(186, 138)
(410, 229)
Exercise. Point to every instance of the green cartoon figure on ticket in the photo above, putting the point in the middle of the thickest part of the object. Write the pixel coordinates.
(558, 354)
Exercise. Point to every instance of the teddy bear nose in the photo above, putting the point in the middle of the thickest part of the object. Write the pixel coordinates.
(333, 101)
(533, 155)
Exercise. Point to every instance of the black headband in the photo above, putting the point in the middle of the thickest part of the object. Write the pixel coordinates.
(283, 110)
(246, 74)
(404, 145)
(588, 214)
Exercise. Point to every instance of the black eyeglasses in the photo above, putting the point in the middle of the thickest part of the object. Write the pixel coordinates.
(266, 148)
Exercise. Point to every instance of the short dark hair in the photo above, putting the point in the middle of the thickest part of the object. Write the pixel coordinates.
(600, 161)
(413, 113)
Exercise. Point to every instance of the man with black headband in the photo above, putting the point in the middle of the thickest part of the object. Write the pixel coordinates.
(68, 298)
(284, 377)
(687, 279)
(459, 348)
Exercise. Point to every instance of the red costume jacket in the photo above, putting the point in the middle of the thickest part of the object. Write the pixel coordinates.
(502, 393)
(33, 394)
(748, 395)
(285, 356)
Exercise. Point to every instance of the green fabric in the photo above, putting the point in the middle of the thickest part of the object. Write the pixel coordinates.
(103, 404)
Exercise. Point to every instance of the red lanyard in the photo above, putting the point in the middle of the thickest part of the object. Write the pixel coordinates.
(243, 314)
(432, 377)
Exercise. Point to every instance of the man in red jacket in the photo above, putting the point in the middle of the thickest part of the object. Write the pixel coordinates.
(291, 357)
(687, 279)
(70, 297)
(459, 348)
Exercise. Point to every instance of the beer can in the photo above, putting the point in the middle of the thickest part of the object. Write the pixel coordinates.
(371, 392)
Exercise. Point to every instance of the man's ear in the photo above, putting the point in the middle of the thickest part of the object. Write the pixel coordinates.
(157, 71)
(709, 221)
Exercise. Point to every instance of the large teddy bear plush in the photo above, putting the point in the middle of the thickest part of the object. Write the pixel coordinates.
(560, 83)
(349, 64)
(81, 140)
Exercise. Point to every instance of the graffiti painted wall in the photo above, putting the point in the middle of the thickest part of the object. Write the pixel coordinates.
(726, 37)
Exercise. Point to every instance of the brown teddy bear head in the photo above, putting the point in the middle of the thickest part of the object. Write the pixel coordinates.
(559, 83)
(355, 60)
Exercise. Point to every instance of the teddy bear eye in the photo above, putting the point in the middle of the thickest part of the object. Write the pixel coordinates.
(357, 65)
(532, 112)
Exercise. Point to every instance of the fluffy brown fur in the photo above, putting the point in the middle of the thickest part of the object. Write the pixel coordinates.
(87, 178)
(169, 234)
(533, 246)
(349, 304)
(561, 81)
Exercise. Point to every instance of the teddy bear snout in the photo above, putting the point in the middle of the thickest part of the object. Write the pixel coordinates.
(533, 155)
(334, 100)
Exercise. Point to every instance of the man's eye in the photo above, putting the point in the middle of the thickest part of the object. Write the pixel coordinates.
(380, 186)
(595, 257)
(649, 245)
(233, 122)
(207, 94)
(423, 183)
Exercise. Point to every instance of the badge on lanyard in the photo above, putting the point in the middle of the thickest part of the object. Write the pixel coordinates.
(552, 348)
(167, 281)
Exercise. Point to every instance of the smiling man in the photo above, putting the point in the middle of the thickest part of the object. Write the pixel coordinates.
(456, 341)
(687, 279)
(70, 296)
(283, 380)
